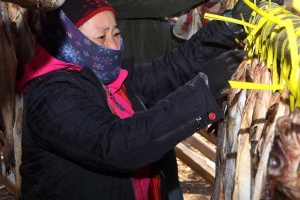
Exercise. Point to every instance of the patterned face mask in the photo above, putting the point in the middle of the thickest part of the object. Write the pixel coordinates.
(64, 41)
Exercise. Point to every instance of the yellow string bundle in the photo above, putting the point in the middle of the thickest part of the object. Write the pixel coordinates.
(273, 37)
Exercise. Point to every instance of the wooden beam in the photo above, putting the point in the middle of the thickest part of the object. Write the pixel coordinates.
(210, 137)
(202, 146)
(201, 165)
(8, 182)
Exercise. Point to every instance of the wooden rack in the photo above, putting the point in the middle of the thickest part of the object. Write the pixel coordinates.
(199, 153)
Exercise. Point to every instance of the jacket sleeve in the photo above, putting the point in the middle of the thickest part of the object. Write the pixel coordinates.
(154, 80)
(68, 117)
(150, 9)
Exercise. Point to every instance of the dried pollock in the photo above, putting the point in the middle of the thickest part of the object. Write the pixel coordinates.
(283, 168)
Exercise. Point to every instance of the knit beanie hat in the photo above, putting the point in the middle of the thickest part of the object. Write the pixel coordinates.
(80, 11)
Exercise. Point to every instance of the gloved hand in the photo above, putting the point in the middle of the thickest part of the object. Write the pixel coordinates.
(181, 26)
(241, 8)
(220, 70)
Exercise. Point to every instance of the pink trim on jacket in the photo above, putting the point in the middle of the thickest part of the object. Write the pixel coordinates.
(140, 177)
(42, 63)
(114, 87)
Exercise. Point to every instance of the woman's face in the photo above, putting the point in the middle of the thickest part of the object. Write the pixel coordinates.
(103, 30)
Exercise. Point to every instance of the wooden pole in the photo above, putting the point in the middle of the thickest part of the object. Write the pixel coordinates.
(210, 137)
(44, 5)
(203, 147)
(201, 165)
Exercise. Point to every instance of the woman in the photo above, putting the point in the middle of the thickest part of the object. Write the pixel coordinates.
(97, 127)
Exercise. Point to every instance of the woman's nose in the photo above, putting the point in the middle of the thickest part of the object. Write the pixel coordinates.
(113, 43)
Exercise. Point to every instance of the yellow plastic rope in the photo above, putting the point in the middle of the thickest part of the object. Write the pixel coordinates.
(255, 86)
(296, 5)
(273, 36)
(227, 19)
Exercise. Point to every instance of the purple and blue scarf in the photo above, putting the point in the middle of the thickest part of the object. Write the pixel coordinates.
(64, 41)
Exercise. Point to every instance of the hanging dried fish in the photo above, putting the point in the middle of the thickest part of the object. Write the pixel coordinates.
(259, 118)
(23, 40)
(8, 68)
(273, 37)
(279, 109)
(262, 105)
(226, 148)
(218, 193)
(45, 5)
(236, 102)
(284, 161)
(243, 162)
(18, 43)
(17, 136)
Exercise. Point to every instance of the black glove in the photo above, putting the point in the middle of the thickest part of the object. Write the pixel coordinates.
(241, 8)
(220, 70)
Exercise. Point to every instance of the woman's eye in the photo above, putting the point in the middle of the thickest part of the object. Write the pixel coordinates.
(117, 34)
(102, 37)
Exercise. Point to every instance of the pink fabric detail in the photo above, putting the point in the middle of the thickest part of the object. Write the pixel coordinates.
(141, 182)
(141, 188)
(141, 177)
(41, 63)
(114, 87)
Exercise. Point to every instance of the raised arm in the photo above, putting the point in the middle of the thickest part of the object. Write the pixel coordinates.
(182, 64)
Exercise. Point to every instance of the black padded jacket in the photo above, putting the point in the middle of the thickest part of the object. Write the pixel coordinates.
(73, 147)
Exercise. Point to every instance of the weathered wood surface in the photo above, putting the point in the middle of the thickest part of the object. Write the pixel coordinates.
(17, 47)
(8, 69)
(209, 136)
(206, 149)
(9, 182)
(200, 164)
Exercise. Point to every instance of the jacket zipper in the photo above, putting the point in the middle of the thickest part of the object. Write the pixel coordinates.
(141, 102)
(181, 127)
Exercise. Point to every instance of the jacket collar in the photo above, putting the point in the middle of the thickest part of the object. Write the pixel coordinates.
(42, 63)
